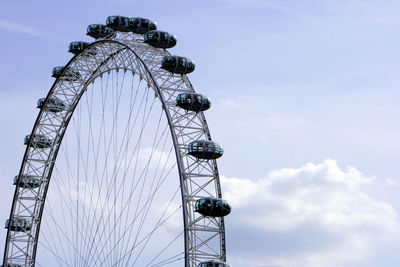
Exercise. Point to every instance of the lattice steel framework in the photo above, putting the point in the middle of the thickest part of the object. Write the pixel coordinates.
(204, 236)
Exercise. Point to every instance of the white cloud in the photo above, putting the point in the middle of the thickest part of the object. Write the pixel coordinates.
(273, 126)
(27, 30)
(316, 215)
(382, 12)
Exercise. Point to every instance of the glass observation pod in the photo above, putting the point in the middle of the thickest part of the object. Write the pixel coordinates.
(214, 207)
(204, 149)
(38, 141)
(27, 181)
(53, 104)
(11, 265)
(67, 75)
(193, 102)
(98, 31)
(141, 25)
(19, 224)
(176, 64)
(213, 264)
(78, 46)
(159, 39)
(117, 23)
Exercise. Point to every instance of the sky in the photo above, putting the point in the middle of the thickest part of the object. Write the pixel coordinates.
(305, 103)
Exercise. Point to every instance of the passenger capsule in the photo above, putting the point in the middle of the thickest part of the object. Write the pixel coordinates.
(203, 149)
(99, 31)
(78, 46)
(12, 265)
(38, 141)
(27, 181)
(193, 102)
(175, 64)
(53, 104)
(67, 75)
(159, 39)
(213, 264)
(214, 207)
(117, 23)
(19, 224)
(141, 25)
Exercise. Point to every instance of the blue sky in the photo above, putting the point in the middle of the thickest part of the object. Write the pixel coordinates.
(301, 90)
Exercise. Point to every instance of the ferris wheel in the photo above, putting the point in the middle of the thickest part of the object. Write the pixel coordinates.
(119, 153)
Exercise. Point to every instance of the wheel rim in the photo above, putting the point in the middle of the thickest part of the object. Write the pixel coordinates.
(204, 237)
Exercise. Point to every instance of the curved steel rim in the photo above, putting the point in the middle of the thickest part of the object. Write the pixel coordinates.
(54, 150)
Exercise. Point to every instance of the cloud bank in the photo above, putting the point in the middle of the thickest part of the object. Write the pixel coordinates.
(316, 215)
